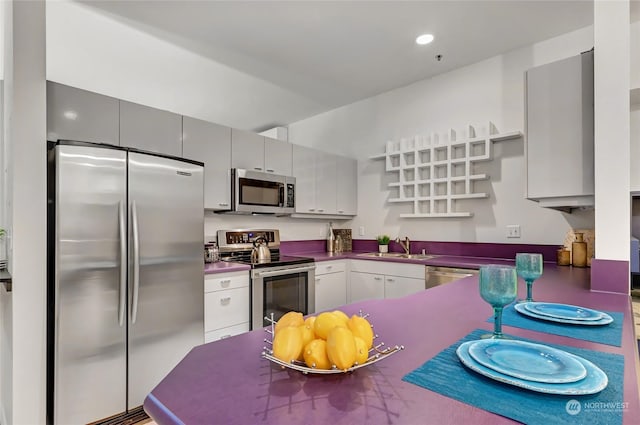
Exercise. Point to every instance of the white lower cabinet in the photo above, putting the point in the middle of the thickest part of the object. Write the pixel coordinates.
(226, 305)
(378, 280)
(366, 286)
(331, 285)
(399, 286)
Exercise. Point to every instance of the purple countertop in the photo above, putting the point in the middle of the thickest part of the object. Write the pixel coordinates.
(438, 260)
(224, 267)
(228, 382)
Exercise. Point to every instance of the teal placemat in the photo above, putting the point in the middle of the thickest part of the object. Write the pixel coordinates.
(444, 374)
(610, 334)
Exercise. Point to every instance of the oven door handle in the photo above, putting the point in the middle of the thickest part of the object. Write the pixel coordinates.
(285, 271)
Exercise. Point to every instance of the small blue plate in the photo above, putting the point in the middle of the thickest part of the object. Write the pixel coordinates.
(563, 311)
(595, 381)
(525, 360)
(606, 319)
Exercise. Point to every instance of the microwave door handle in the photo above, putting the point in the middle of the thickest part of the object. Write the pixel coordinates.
(282, 195)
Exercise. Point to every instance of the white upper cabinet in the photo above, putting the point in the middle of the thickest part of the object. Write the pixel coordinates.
(247, 150)
(277, 156)
(211, 144)
(150, 129)
(303, 168)
(75, 114)
(347, 187)
(251, 151)
(325, 183)
(559, 127)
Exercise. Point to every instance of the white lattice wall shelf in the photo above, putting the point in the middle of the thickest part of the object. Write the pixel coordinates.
(434, 171)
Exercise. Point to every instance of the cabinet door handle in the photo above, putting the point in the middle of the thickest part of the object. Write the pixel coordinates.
(311, 209)
(317, 280)
(225, 300)
(270, 171)
(224, 204)
(257, 168)
(341, 211)
(329, 267)
(390, 279)
(320, 210)
(225, 283)
(377, 278)
(225, 336)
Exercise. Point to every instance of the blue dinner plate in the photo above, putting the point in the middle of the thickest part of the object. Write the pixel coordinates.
(525, 360)
(563, 311)
(595, 381)
(606, 319)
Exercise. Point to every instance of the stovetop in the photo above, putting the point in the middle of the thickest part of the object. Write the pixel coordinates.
(236, 245)
(276, 260)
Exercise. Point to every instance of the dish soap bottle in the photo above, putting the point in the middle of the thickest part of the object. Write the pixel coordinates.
(330, 239)
(579, 251)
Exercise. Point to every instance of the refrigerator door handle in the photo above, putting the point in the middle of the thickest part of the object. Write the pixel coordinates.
(136, 263)
(123, 264)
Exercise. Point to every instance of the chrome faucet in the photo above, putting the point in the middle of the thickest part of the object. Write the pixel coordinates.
(405, 244)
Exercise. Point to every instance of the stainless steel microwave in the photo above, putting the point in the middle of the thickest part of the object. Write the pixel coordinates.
(254, 192)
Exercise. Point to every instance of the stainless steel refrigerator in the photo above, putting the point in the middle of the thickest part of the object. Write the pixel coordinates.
(126, 297)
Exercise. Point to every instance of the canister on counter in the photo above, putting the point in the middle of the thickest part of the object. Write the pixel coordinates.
(579, 251)
(564, 257)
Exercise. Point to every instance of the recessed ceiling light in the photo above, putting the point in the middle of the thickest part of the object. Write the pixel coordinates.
(424, 39)
(70, 115)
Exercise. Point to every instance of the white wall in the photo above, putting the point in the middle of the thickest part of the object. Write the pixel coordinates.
(489, 90)
(97, 52)
(611, 141)
(115, 59)
(23, 396)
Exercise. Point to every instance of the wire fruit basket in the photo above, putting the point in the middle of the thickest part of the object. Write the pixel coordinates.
(378, 352)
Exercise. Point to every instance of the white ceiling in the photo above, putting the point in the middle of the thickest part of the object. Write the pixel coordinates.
(333, 53)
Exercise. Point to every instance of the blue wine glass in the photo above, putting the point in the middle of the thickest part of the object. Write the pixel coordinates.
(529, 268)
(498, 287)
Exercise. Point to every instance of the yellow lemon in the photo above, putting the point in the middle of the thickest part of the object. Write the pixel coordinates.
(315, 354)
(292, 318)
(362, 353)
(287, 344)
(343, 317)
(362, 329)
(341, 347)
(307, 337)
(324, 323)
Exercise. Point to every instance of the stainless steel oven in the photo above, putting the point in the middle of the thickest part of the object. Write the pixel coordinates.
(284, 283)
(277, 290)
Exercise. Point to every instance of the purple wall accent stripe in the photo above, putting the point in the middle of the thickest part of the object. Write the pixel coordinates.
(610, 276)
(288, 247)
(469, 249)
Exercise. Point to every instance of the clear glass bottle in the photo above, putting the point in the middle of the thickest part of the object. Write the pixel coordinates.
(330, 238)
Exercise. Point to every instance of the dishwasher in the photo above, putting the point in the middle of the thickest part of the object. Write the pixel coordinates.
(435, 276)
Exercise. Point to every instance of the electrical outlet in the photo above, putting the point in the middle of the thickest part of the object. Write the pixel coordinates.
(513, 231)
(361, 230)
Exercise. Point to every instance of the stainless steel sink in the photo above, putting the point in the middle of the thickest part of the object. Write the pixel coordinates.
(398, 255)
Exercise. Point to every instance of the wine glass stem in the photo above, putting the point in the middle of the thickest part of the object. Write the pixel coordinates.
(497, 322)
(529, 291)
